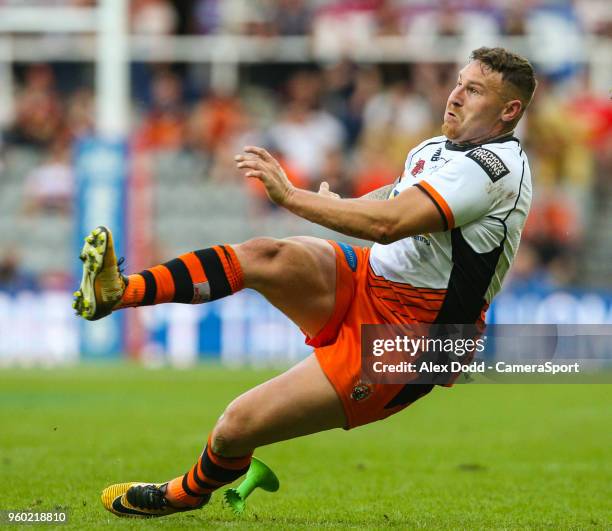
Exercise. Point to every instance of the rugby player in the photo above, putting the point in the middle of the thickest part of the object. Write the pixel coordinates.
(445, 234)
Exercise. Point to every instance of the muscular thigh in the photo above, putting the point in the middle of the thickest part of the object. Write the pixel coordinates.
(297, 275)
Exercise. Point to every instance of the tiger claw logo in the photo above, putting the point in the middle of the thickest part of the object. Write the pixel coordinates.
(418, 167)
(361, 391)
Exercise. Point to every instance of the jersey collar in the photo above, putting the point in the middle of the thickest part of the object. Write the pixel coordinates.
(466, 147)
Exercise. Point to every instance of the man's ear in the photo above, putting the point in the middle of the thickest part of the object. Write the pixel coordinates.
(512, 110)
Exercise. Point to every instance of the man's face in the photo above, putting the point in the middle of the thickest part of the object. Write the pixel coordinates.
(475, 105)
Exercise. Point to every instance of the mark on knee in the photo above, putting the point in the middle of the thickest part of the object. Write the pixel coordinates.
(231, 434)
(219, 444)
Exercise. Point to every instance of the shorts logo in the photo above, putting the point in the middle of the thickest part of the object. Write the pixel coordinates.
(489, 162)
(361, 391)
(418, 167)
(349, 254)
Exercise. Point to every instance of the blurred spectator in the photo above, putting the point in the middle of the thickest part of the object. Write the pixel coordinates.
(153, 17)
(395, 120)
(80, 113)
(206, 17)
(13, 278)
(348, 88)
(165, 124)
(434, 82)
(596, 16)
(594, 111)
(304, 133)
(38, 120)
(563, 167)
(559, 137)
(339, 84)
(557, 141)
(292, 17)
(448, 21)
(342, 26)
(214, 120)
(527, 272)
(372, 171)
(236, 123)
(334, 171)
(554, 227)
(387, 19)
(246, 17)
(472, 27)
(513, 21)
(49, 188)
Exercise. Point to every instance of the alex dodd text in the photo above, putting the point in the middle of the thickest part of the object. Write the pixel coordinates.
(476, 367)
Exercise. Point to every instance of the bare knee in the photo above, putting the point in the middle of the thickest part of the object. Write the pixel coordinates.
(263, 258)
(261, 249)
(232, 435)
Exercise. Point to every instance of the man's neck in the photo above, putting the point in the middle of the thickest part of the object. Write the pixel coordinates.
(484, 140)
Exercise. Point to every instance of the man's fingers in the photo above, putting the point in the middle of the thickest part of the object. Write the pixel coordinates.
(249, 165)
(260, 152)
(241, 158)
(254, 174)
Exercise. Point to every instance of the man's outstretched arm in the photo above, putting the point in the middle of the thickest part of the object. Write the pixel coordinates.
(408, 214)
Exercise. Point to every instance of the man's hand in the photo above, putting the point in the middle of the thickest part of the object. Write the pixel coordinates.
(263, 166)
(324, 190)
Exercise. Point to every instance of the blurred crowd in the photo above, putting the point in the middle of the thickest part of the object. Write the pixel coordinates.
(349, 124)
(381, 17)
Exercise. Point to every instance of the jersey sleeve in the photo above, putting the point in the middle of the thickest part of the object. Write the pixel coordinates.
(466, 188)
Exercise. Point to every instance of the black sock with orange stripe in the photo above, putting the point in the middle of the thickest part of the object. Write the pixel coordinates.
(192, 278)
(210, 473)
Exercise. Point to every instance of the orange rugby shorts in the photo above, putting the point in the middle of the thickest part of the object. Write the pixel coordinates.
(338, 344)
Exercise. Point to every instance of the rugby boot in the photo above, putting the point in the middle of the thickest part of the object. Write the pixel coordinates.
(142, 500)
(102, 284)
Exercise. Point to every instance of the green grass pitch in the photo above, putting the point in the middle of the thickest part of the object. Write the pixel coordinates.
(470, 457)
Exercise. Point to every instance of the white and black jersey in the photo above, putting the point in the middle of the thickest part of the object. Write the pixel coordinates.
(483, 193)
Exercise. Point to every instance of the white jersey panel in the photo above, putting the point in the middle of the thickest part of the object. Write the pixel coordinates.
(483, 191)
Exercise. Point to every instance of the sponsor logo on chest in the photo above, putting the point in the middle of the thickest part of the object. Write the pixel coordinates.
(489, 162)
